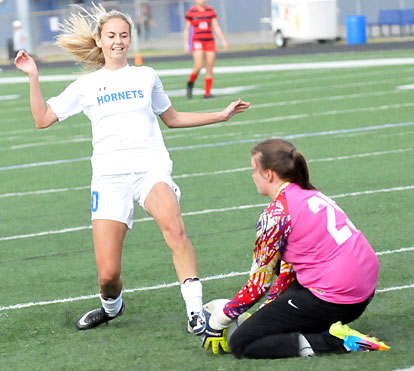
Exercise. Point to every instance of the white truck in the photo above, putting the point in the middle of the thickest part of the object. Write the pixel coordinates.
(303, 20)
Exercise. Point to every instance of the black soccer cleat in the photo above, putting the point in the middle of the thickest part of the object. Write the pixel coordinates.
(190, 86)
(96, 317)
(192, 323)
(195, 325)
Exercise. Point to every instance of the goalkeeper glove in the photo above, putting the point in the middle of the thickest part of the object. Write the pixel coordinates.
(215, 337)
(218, 320)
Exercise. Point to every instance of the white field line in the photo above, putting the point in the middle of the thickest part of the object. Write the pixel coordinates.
(236, 90)
(322, 99)
(48, 141)
(44, 191)
(202, 212)
(291, 82)
(387, 252)
(9, 97)
(226, 91)
(210, 173)
(173, 284)
(299, 116)
(273, 119)
(244, 69)
(53, 141)
(395, 288)
(288, 137)
(359, 84)
(226, 143)
(45, 163)
(288, 82)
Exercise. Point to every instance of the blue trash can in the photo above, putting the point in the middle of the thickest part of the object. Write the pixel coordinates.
(356, 29)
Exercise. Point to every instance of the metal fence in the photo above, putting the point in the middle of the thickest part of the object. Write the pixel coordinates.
(239, 20)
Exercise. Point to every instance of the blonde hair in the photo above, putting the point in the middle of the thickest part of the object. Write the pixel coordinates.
(79, 38)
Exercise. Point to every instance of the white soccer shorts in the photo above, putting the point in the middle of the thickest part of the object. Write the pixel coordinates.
(113, 196)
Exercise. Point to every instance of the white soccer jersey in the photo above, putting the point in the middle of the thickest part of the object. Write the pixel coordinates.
(122, 106)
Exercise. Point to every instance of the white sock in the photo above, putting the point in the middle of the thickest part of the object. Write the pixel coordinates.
(192, 292)
(305, 349)
(112, 306)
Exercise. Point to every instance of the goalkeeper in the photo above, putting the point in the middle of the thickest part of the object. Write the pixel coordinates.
(330, 281)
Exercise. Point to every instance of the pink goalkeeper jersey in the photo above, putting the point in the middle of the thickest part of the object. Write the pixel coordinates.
(318, 244)
(329, 255)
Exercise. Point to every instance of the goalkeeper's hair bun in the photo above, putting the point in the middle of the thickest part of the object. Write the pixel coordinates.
(282, 157)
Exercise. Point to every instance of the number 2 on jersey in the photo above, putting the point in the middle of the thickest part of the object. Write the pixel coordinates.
(319, 203)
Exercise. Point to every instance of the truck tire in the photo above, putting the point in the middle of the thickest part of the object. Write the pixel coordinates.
(279, 40)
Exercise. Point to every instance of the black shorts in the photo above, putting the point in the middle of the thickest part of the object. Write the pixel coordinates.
(297, 310)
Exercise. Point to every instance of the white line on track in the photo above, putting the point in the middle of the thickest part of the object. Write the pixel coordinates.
(8, 97)
(291, 82)
(44, 191)
(53, 141)
(284, 91)
(322, 99)
(387, 252)
(47, 141)
(202, 212)
(301, 89)
(244, 69)
(226, 143)
(210, 173)
(45, 163)
(395, 288)
(173, 284)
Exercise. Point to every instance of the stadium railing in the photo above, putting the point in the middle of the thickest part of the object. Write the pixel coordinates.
(401, 18)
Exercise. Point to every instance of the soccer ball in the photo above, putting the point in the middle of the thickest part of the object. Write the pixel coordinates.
(217, 305)
(235, 324)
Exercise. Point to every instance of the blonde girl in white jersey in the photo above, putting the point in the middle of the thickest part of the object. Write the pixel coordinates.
(130, 162)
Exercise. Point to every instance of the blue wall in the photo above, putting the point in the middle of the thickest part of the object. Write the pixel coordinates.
(7, 16)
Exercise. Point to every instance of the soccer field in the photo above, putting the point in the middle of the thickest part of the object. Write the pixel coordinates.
(353, 121)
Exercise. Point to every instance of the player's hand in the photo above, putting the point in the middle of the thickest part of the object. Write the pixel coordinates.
(234, 108)
(218, 344)
(212, 317)
(25, 63)
(213, 334)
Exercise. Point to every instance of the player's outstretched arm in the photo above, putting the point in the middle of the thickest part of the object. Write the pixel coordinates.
(174, 119)
(43, 116)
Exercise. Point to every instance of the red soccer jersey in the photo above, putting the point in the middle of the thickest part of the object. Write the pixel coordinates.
(201, 22)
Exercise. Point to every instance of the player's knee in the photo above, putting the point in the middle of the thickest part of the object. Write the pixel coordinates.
(174, 234)
(108, 278)
(236, 347)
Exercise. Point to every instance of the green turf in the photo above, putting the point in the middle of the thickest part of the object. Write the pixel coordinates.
(302, 105)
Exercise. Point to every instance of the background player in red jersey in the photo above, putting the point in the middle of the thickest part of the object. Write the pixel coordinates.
(203, 18)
